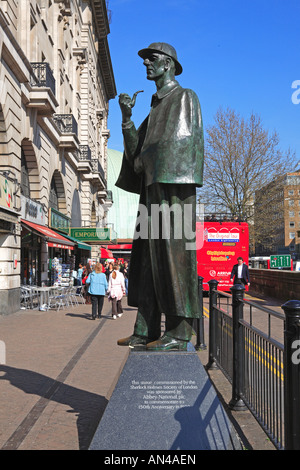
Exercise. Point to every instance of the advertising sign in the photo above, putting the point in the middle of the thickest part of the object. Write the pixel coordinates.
(94, 234)
(6, 192)
(222, 244)
(59, 221)
(32, 211)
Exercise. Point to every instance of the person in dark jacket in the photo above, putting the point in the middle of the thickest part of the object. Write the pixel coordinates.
(125, 272)
(240, 273)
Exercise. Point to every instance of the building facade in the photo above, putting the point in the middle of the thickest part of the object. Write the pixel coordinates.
(278, 217)
(56, 80)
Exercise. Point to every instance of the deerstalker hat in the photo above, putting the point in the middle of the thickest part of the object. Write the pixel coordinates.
(162, 48)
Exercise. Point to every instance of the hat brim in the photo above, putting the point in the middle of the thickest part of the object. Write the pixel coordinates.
(143, 53)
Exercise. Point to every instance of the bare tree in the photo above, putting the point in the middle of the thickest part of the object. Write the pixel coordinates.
(241, 157)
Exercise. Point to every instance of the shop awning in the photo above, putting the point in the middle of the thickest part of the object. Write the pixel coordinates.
(53, 238)
(81, 245)
(106, 254)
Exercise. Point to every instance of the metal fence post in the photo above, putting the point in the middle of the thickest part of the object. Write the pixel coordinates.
(200, 321)
(236, 403)
(213, 285)
(292, 375)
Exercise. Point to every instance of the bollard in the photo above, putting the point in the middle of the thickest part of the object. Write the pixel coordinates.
(292, 375)
(236, 403)
(213, 285)
(200, 321)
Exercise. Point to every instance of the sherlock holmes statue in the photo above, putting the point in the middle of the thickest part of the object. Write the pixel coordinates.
(163, 162)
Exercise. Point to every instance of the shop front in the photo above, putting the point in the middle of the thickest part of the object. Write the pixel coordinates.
(33, 243)
(50, 254)
(61, 223)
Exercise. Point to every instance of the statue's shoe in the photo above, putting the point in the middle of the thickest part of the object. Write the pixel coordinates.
(133, 341)
(167, 343)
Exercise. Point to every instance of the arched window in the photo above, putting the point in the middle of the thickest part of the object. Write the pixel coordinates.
(53, 196)
(25, 187)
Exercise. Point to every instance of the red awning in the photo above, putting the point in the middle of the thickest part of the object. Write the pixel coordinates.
(53, 238)
(121, 247)
(106, 254)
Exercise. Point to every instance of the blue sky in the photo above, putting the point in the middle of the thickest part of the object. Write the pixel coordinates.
(238, 53)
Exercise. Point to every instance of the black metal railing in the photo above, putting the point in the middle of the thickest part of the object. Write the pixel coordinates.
(263, 369)
(85, 152)
(43, 76)
(66, 123)
(97, 168)
(109, 196)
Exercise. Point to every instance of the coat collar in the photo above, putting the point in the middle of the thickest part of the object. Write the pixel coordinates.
(164, 91)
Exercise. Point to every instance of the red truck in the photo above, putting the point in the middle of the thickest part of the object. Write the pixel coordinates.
(219, 244)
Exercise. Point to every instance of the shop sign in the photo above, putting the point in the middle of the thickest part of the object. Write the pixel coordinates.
(59, 221)
(32, 211)
(95, 234)
(6, 192)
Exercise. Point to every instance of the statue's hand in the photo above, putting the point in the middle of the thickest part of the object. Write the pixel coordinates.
(126, 106)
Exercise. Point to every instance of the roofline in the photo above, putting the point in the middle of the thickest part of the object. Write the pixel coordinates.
(102, 25)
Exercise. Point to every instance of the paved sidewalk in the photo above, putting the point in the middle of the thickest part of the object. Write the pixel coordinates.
(59, 373)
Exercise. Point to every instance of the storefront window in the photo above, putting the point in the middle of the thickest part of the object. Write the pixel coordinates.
(31, 259)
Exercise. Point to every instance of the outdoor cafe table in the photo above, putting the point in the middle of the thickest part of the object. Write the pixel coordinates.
(44, 294)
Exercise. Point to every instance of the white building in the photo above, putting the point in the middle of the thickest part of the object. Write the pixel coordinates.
(56, 80)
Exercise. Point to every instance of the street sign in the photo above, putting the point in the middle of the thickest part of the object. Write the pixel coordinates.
(280, 261)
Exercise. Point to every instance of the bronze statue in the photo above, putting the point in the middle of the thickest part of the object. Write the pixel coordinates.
(163, 162)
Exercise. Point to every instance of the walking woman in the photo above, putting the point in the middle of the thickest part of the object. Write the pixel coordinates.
(116, 290)
(97, 288)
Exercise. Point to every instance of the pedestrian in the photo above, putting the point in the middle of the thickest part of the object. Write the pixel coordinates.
(125, 272)
(108, 271)
(116, 290)
(85, 274)
(97, 287)
(79, 278)
(240, 273)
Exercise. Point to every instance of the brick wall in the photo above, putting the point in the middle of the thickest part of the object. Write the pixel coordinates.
(283, 285)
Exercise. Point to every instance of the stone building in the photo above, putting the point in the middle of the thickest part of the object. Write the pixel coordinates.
(56, 80)
(278, 218)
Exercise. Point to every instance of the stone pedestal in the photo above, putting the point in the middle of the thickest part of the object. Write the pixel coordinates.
(164, 401)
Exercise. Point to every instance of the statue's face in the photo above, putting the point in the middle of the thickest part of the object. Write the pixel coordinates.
(155, 65)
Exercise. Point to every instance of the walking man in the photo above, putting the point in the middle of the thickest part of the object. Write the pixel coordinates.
(240, 273)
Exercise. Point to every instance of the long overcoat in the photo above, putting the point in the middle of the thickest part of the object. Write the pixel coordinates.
(170, 161)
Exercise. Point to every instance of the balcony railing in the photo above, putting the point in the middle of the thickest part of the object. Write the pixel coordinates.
(109, 196)
(97, 168)
(43, 76)
(66, 123)
(85, 152)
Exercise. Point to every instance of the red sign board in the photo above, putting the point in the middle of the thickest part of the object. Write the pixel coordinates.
(218, 247)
